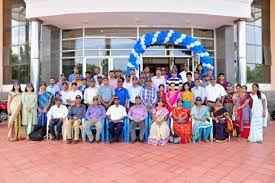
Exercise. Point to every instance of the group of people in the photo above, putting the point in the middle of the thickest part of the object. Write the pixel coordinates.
(183, 107)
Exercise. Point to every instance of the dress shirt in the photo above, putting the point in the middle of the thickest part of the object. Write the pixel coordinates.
(116, 112)
(158, 81)
(127, 85)
(95, 112)
(149, 96)
(106, 92)
(122, 94)
(89, 94)
(65, 95)
(73, 94)
(77, 112)
(133, 92)
(198, 91)
(113, 83)
(53, 89)
(72, 77)
(56, 112)
(138, 113)
(183, 76)
(214, 92)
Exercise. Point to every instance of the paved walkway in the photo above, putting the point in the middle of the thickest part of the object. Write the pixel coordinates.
(56, 162)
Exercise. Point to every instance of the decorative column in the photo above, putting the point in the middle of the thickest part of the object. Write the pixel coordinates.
(35, 52)
(241, 26)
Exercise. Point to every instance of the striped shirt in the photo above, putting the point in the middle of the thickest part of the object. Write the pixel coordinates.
(177, 81)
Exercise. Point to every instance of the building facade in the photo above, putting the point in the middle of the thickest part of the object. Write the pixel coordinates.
(40, 39)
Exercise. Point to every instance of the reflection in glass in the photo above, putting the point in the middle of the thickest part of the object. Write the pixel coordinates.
(102, 63)
(120, 64)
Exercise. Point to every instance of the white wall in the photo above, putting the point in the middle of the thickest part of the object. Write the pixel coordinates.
(231, 8)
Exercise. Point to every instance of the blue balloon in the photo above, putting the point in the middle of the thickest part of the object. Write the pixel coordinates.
(148, 38)
(161, 37)
(174, 37)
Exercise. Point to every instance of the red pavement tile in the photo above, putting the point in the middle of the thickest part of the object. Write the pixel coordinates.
(56, 162)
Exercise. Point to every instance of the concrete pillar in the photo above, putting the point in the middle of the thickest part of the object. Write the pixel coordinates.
(272, 42)
(49, 52)
(225, 52)
(1, 41)
(241, 26)
(35, 51)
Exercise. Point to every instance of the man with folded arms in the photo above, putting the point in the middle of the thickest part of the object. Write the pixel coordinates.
(95, 116)
(75, 116)
(137, 114)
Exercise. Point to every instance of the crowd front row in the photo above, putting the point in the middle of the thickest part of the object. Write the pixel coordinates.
(155, 125)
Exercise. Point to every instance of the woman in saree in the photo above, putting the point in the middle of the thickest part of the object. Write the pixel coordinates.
(242, 110)
(258, 113)
(44, 102)
(187, 96)
(159, 132)
(172, 97)
(29, 109)
(14, 111)
(202, 127)
(182, 124)
(220, 116)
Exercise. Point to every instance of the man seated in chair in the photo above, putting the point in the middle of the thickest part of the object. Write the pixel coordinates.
(137, 114)
(95, 116)
(116, 113)
(201, 123)
(75, 115)
(56, 115)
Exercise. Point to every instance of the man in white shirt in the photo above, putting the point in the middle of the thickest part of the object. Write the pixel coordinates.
(158, 79)
(213, 91)
(56, 115)
(183, 73)
(65, 94)
(198, 90)
(90, 92)
(134, 90)
(116, 113)
(73, 93)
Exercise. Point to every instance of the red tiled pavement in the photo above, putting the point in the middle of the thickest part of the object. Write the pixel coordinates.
(56, 162)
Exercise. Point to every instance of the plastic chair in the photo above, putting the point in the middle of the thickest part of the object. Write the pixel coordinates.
(125, 130)
(148, 123)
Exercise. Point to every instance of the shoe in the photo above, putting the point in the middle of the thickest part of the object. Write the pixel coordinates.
(75, 141)
(68, 141)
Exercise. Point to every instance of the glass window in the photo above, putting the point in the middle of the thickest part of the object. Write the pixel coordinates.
(68, 65)
(72, 44)
(257, 71)
(204, 33)
(75, 33)
(182, 30)
(155, 51)
(120, 64)
(111, 32)
(17, 46)
(95, 43)
(207, 43)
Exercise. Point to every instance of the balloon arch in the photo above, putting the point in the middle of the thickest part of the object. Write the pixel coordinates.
(169, 38)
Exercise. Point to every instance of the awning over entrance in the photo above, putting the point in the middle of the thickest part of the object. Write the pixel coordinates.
(68, 14)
